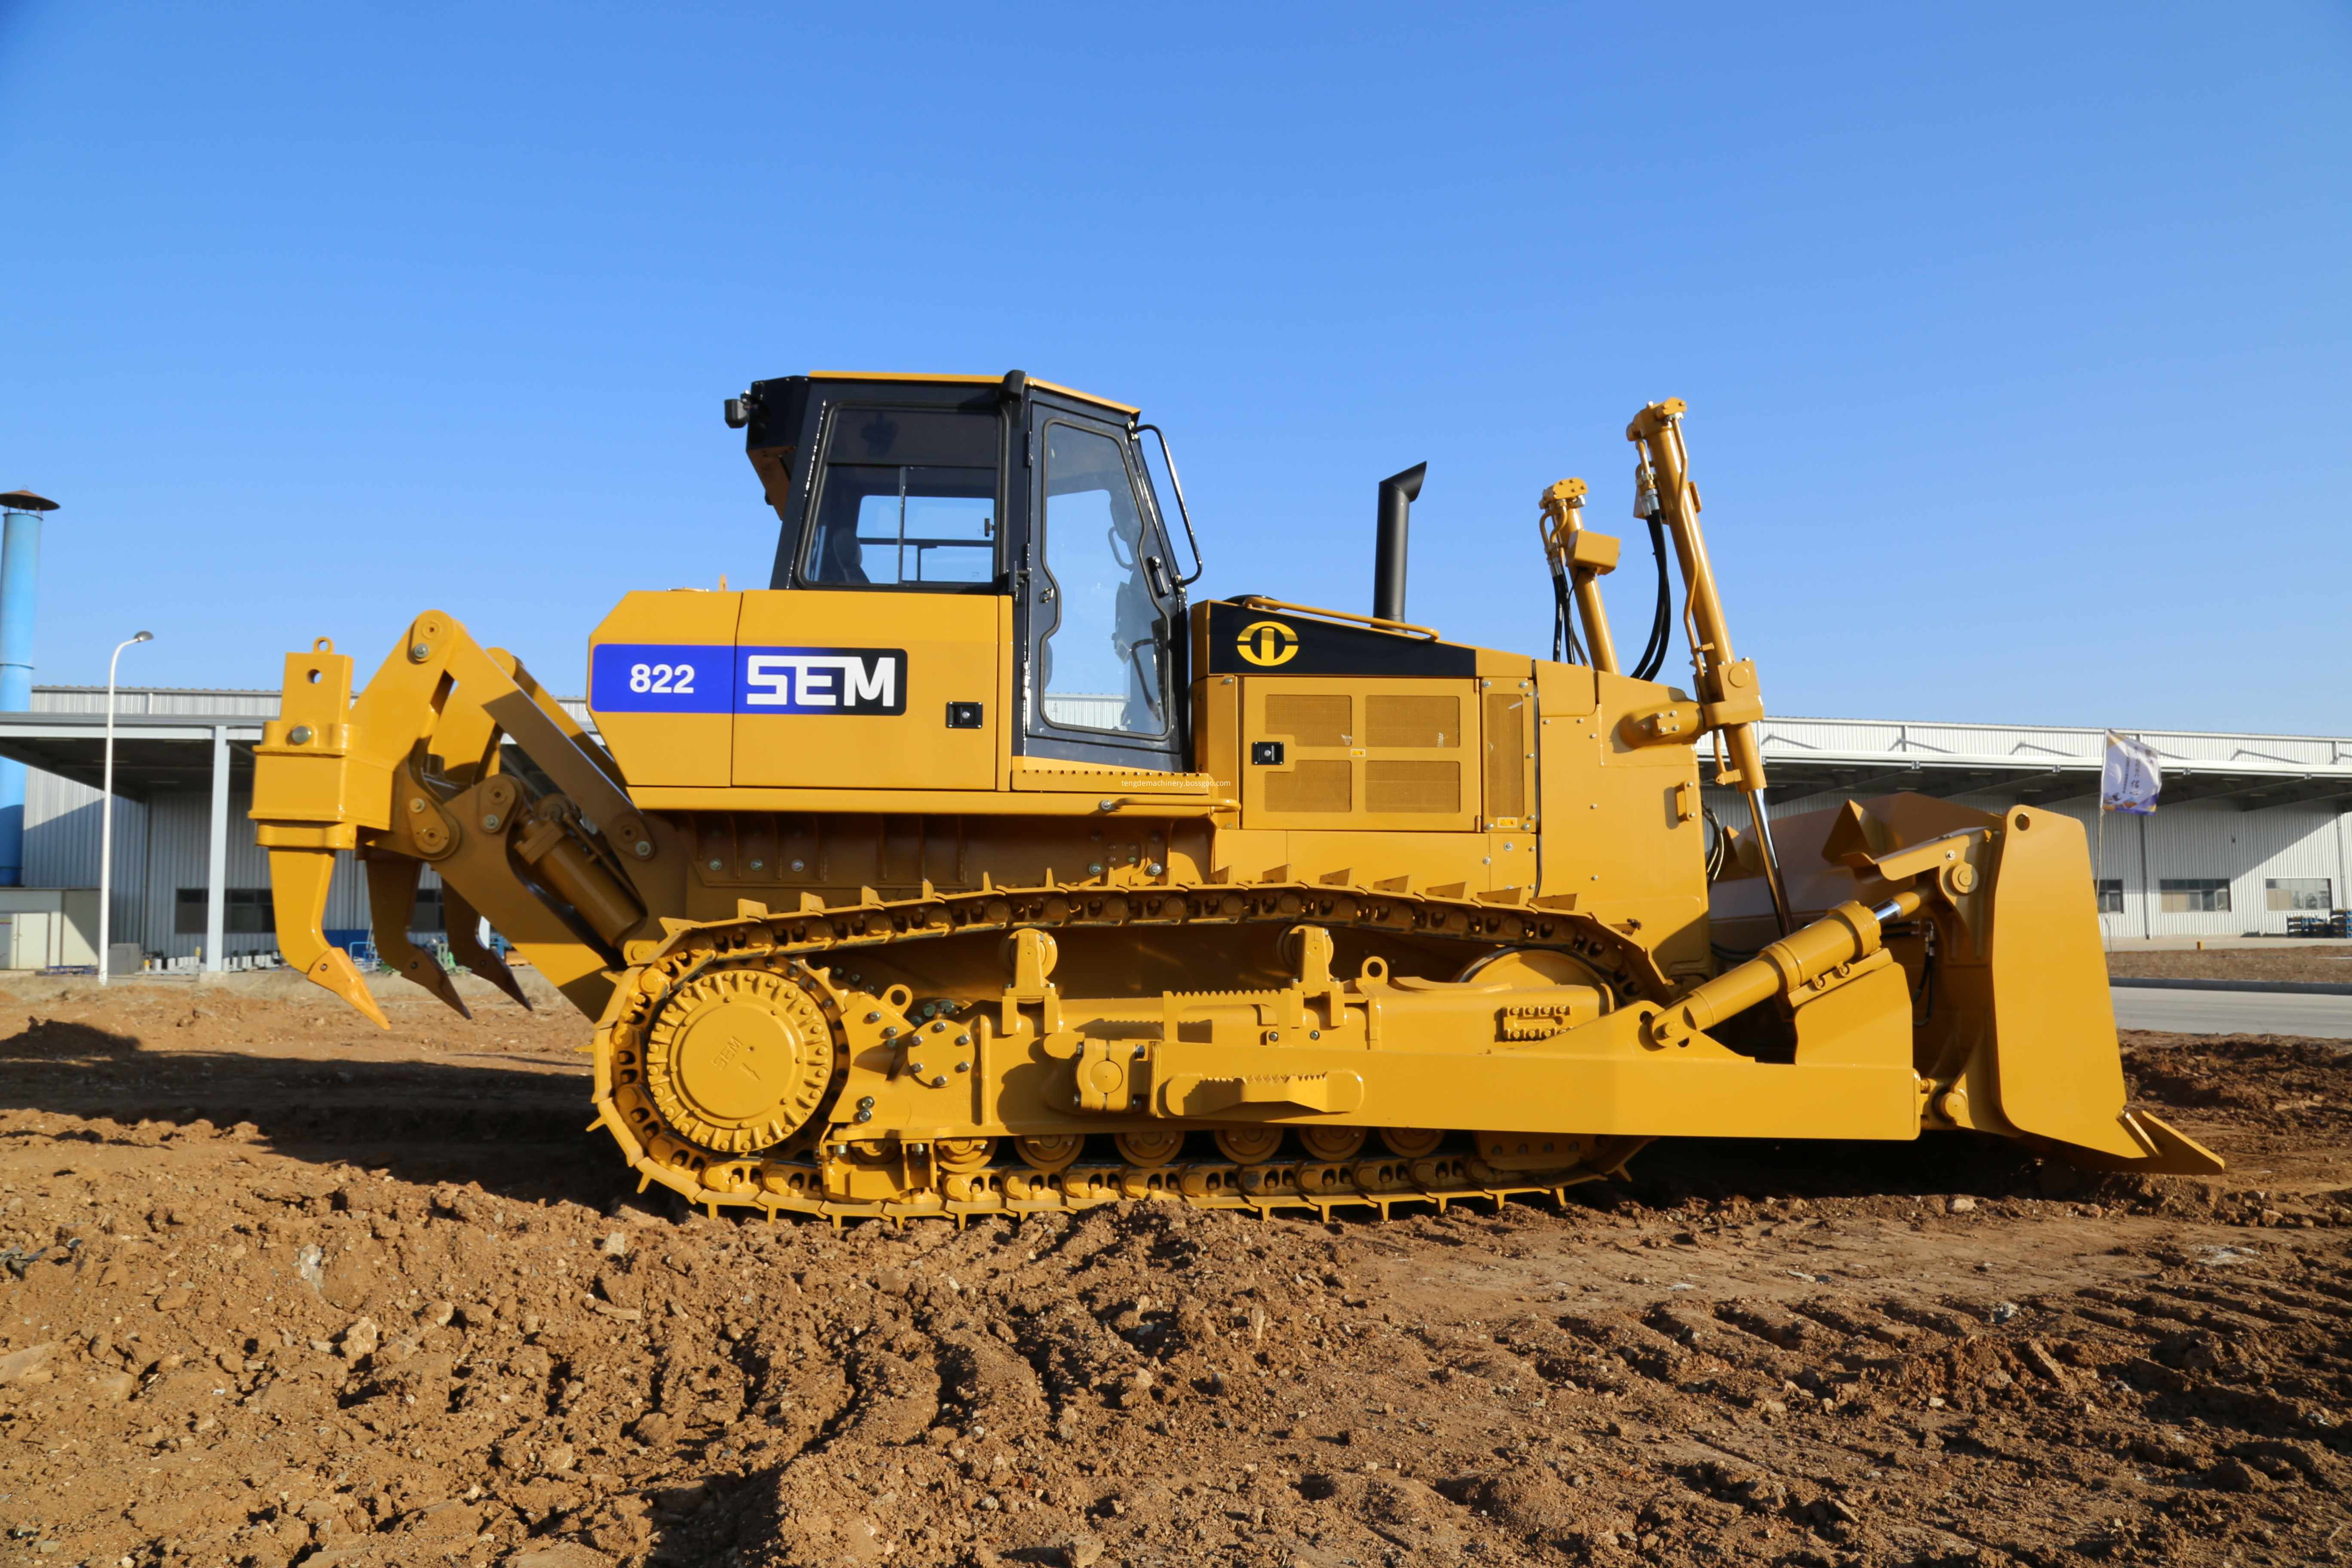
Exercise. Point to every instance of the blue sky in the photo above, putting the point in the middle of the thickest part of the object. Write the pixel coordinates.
(2015, 338)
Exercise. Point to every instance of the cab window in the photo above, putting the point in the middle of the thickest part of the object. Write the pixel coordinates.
(907, 499)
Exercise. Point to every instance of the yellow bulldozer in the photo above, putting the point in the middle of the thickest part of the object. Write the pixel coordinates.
(966, 869)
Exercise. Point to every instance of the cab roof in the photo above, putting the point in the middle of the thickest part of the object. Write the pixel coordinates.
(1127, 408)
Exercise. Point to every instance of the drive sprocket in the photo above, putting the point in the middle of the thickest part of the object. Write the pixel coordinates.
(739, 1059)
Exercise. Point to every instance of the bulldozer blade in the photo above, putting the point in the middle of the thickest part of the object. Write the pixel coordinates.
(2165, 1150)
(392, 897)
(299, 881)
(468, 947)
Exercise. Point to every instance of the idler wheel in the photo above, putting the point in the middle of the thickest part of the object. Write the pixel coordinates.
(738, 1061)
(1331, 1144)
(1050, 1151)
(1155, 1146)
(1248, 1145)
(1410, 1143)
(962, 1156)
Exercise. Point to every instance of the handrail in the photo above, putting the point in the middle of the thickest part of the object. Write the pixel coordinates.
(1261, 602)
(1169, 458)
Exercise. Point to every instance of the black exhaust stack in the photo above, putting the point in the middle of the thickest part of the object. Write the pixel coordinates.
(1398, 492)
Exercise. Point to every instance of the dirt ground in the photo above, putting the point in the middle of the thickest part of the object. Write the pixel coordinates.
(281, 1289)
(2327, 964)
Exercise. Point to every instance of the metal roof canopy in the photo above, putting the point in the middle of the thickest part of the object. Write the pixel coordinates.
(163, 754)
(151, 755)
(2046, 764)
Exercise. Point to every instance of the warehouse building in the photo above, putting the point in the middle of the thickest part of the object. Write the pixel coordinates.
(190, 885)
(2251, 832)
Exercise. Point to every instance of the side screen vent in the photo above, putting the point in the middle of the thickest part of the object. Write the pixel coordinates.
(1418, 722)
(1506, 753)
(1316, 787)
(1412, 787)
(1362, 754)
(1309, 720)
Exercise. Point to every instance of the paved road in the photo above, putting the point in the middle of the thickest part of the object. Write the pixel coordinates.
(2233, 1012)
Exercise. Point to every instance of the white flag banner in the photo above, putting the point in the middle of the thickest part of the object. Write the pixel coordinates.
(2131, 779)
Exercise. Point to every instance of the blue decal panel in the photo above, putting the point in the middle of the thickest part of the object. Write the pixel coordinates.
(661, 678)
(668, 677)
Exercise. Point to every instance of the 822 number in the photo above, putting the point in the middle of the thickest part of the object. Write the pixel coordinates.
(674, 679)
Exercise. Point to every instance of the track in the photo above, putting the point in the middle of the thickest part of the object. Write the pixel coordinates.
(865, 963)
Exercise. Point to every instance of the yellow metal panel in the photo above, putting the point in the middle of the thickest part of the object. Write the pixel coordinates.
(1594, 1079)
(1358, 754)
(1474, 861)
(952, 649)
(1619, 833)
(1003, 732)
(1007, 803)
(1217, 731)
(670, 749)
(1030, 774)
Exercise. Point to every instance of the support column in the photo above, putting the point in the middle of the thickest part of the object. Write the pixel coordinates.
(20, 552)
(2146, 885)
(216, 858)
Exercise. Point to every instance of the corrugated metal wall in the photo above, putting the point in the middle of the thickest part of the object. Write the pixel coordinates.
(179, 830)
(156, 700)
(162, 846)
(62, 841)
(204, 702)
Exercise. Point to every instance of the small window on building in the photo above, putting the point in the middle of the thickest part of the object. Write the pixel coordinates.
(2299, 894)
(2111, 895)
(245, 911)
(428, 915)
(2194, 895)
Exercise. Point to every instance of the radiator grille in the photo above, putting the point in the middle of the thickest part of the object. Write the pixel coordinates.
(1310, 721)
(1412, 722)
(1412, 786)
(1311, 786)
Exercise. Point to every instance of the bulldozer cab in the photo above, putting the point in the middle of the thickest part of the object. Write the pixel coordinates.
(900, 488)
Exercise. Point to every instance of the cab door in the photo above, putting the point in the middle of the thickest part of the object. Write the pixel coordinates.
(1101, 605)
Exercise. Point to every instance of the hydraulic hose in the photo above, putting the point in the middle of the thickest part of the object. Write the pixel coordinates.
(1653, 652)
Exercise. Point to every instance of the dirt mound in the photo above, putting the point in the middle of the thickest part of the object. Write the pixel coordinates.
(280, 1289)
(2323, 964)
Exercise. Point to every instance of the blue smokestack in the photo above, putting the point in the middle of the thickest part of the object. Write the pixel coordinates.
(20, 560)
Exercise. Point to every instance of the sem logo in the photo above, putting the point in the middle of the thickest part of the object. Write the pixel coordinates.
(824, 680)
(1267, 643)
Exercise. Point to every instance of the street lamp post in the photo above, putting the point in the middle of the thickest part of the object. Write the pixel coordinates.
(106, 817)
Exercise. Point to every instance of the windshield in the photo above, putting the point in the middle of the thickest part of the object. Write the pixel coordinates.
(1100, 661)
